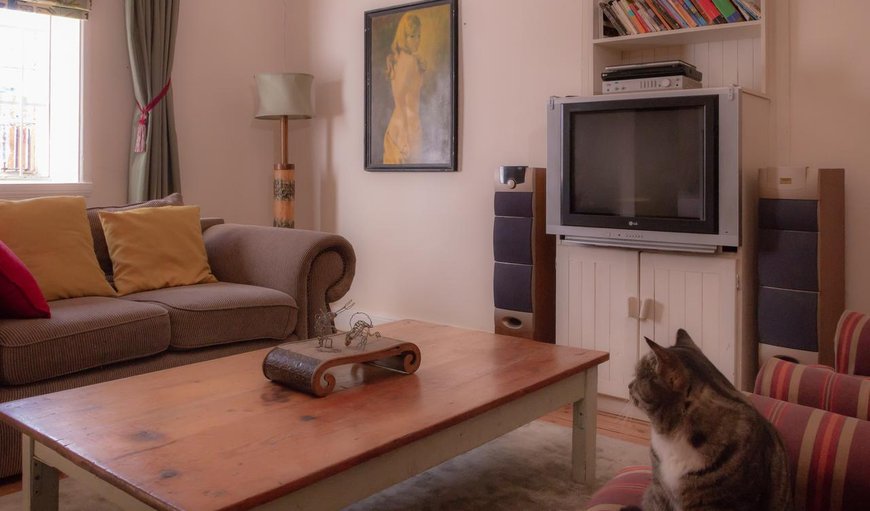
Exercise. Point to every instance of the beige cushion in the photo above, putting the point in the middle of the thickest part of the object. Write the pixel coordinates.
(52, 237)
(153, 248)
(100, 247)
(223, 312)
(82, 333)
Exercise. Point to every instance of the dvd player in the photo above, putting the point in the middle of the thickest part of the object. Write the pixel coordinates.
(651, 70)
(648, 84)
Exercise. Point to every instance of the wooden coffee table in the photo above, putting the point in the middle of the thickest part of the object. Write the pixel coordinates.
(218, 435)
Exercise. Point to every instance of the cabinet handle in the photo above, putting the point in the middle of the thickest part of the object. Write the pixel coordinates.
(633, 307)
(647, 307)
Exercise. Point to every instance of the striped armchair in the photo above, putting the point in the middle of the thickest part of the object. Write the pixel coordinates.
(822, 415)
(852, 344)
(829, 455)
(844, 388)
(815, 385)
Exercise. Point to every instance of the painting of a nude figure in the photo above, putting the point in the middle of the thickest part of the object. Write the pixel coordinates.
(411, 87)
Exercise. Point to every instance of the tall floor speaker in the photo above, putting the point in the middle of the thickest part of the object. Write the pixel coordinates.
(524, 277)
(801, 252)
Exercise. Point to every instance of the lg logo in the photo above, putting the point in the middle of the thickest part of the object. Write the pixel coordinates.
(632, 224)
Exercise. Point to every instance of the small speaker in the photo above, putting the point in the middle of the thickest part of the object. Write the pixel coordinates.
(524, 276)
(801, 247)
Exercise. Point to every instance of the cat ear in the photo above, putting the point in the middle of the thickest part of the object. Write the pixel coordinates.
(669, 367)
(661, 353)
(684, 339)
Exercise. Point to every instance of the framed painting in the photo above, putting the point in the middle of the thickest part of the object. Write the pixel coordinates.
(411, 87)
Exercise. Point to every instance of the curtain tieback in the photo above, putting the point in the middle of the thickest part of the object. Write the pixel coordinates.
(141, 129)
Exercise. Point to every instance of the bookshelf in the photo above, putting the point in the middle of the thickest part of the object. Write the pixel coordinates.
(726, 54)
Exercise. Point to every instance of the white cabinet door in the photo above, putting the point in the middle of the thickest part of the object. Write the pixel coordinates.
(593, 289)
(697, 294)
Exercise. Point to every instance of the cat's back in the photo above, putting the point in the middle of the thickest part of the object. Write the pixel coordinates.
(746, 466)
(739, 462)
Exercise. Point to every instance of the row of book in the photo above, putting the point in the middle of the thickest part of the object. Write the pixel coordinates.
(629, 17)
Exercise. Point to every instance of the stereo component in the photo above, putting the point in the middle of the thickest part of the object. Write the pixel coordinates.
(647, 84)
(801, 254)
(524, 273)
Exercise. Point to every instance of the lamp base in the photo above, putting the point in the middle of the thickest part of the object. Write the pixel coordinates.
(284, 195)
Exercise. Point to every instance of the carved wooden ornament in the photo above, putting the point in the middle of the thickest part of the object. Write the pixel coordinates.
(303, 365)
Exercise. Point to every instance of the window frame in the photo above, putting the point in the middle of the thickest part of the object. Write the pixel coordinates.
(22, 189)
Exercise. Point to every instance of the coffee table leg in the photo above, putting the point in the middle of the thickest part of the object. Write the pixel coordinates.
(584, 424)
(39, 481)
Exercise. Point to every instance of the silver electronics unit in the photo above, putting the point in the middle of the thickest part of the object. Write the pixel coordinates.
(663, 170)
(648, 84)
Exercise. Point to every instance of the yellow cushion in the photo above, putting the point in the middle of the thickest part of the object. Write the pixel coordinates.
(52, 237)
(152, 248)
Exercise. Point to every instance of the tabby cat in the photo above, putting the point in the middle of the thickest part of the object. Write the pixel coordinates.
(711, 450)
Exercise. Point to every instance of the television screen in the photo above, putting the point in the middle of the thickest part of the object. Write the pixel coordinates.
(638, 162)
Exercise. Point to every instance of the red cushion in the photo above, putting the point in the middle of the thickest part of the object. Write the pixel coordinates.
(20, 297)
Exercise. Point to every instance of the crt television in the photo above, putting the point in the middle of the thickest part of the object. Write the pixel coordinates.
(655, 170)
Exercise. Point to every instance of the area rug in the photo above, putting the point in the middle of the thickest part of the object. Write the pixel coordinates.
(529, 468)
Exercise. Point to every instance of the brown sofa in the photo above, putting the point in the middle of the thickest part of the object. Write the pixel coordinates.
(272, 282)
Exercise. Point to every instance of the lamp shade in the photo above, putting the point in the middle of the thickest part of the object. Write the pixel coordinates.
(284, 94)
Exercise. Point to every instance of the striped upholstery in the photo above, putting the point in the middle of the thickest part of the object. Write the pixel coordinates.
(829, 455)
(816, 386)
(852, 344)
(625, 489)
(222, 312)
(81, 333)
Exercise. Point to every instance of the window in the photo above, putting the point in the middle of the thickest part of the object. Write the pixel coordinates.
(40, 98)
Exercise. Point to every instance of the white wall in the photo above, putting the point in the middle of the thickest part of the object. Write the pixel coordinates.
(424, 240)
(829, 111)
(107, 104)
(226, 155)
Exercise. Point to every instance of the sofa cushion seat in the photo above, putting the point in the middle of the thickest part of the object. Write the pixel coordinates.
(82, 333)
(222, 312)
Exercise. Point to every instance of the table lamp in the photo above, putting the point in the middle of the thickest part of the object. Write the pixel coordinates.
(284, 96)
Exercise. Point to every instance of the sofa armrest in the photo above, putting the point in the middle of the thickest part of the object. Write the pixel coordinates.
(315, 268)
(852, 344)
(815, 385)
(828, 454)
(208, 221)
